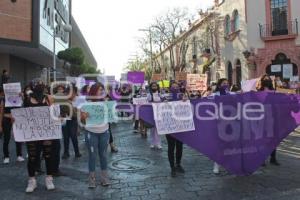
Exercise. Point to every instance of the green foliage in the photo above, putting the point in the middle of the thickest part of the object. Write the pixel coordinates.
(75, 57)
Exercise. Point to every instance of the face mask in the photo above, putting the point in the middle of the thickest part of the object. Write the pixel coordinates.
(225, 87)
(39, 89)
(154, 90)
(174, 90)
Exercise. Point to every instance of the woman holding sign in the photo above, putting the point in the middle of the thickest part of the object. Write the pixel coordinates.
(173, 143)
(155, 97)
(97, 139)
(39, 99)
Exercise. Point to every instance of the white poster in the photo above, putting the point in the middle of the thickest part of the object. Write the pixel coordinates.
(249, 85)
(36, 123)
(276, 68)
(71, 79)
(287, 71)
(13, 96)
(173, 117)
(106, 79)
(140, 101)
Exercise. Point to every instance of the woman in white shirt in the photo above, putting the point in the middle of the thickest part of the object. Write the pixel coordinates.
(97, 139)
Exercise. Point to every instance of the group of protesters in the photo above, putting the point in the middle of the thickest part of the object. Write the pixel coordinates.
(99, 137)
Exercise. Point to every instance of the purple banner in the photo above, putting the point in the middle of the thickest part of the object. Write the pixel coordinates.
(239, 131)
(136, 77)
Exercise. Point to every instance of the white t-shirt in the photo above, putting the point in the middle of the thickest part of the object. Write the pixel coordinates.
(98, 129)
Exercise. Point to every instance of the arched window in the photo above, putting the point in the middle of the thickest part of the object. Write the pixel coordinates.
(229, 72)
(238, 70)
(227, 25)
(236, 20)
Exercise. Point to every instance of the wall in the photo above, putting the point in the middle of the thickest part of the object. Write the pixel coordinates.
(4, 62)
(296, 15)
(16, 20)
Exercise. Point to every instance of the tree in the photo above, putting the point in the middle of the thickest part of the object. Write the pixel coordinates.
(76, 60)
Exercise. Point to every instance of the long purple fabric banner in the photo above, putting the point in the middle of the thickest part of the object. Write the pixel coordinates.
(239, 131)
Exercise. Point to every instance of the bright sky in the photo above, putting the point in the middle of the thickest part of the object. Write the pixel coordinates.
(111, 26)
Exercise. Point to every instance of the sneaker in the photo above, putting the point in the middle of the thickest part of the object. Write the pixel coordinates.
(20, 159)
(274, 162)
(104, 179)
(92, 181)
(31, 185)
(49, 183)
(159, 147)
(173, 173)
(78, 155)
(6, 161)
(152, 147)
(179, 169)
(216, 169)
(114, 149)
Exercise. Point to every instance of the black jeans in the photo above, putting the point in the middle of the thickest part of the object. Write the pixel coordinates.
(56, 155)
(273, 156)
(172, 143)
(33, 149)
(6, 123)
(70, 132)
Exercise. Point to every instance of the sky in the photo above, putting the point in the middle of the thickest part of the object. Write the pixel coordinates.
(110, 27)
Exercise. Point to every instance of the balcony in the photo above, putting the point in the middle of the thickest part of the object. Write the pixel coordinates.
(283, 32)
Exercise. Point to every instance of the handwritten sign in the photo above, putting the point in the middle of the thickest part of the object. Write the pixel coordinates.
(181, 76)
(249, 85)
(106, 79)
(287, 71)
(164, 84)
(100, 112)
(276, 68)
(136, 77)
(36, 123)
(286, 91)
(156, 77)
(173, 117)
(12, 95)
(196, 82)
(140, 101)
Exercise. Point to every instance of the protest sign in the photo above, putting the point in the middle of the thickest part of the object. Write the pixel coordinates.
(173, 117)
(249, 85)
(180, 76)
(136, 77)
(164, 84)
(287, 71)
(156, 77)
(36, 123)
(123, 77)
(100, 112)
(71, 79)
(140, 101)
(12, 93)
(286, 91)
(106, 79)
(276, 68)
(196, 82)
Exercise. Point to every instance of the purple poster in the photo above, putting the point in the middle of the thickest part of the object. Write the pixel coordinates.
(136, 77)
(239, 131)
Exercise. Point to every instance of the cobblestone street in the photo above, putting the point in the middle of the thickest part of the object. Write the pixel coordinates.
(140, 173)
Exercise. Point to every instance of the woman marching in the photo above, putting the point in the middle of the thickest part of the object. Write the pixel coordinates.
(38, 99)
(97, 139)
(155, 97)
(173, 143)
(266, 84)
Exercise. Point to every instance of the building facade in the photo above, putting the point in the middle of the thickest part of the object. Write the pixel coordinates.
(26, 37)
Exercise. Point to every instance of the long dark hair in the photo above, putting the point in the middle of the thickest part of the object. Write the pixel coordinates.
(93, 92)
(150, 87)
(263, 86)
(219, 83)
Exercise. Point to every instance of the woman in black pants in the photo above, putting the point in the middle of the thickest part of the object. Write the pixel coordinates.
(6, 128)
(172, 141)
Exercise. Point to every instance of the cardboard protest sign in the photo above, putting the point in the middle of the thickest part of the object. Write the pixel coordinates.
(36, 123)
(164, 84)
(100, 112)
(136, 77)
(156, 77)
(286, 91)
(12, 93)
(180, 76)
(196, 82)
(173, 117)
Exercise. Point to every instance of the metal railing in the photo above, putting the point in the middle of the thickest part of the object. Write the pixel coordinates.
(269, 30)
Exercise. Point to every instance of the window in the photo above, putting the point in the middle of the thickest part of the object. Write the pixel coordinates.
(227, 25)
(236, 21)
(279, 14)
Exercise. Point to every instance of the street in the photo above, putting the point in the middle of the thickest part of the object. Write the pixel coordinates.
(138, 172)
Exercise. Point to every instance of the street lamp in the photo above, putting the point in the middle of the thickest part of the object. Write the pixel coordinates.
(67, 28)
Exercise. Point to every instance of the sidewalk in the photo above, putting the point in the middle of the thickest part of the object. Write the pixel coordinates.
(141, 173)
